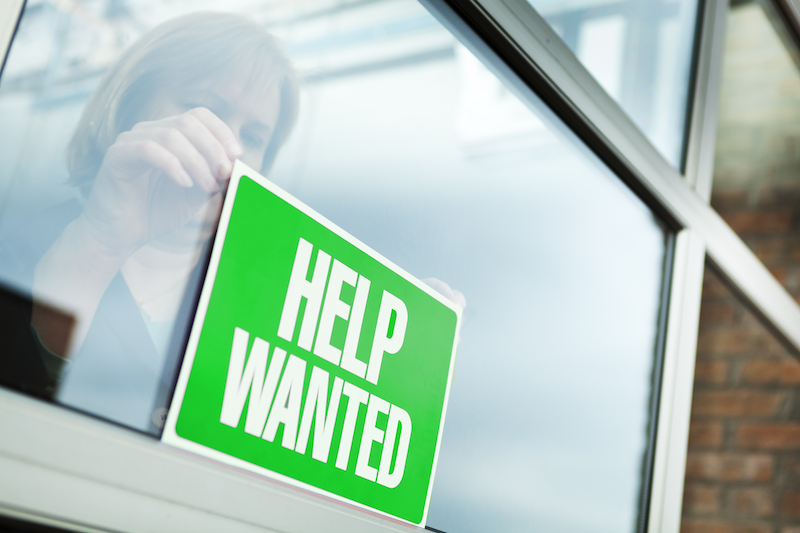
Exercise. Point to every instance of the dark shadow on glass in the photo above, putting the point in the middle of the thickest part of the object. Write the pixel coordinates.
(25, 363)
(654, 402)
(10, 525)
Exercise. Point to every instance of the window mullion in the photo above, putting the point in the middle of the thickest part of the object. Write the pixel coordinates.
(676, 384)
(702, 130)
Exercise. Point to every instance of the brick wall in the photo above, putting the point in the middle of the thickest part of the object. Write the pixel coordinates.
(757, 159)
(743, 465)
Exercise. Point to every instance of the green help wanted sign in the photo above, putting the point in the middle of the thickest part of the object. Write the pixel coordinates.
(314, 360)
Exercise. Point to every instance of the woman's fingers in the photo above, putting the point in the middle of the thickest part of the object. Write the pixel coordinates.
(210, 139)
(157, 156)
(210, 136)
(148, 154)
(136, 195)
(219, 130)
(444, 289)
(173, 140)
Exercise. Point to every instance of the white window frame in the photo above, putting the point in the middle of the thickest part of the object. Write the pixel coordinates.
(83, 474)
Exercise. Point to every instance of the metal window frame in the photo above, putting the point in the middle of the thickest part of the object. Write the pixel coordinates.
(701, 232)
(89, 475)
(10, 13)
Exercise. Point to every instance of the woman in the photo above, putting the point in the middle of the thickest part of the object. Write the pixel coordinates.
(152, 156)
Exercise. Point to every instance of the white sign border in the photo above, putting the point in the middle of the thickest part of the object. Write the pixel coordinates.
(170, 436)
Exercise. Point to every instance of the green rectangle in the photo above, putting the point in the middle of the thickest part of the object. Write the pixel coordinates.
(305, 341)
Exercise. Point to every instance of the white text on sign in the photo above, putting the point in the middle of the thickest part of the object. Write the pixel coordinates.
(276, 383)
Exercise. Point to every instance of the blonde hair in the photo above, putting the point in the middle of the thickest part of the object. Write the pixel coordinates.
(177, 54)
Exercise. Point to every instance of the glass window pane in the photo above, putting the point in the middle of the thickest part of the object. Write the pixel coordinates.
(756, 185)
(405, 138)
(742, 462)
(641, 53)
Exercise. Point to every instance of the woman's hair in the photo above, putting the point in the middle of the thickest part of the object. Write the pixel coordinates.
(177, 55)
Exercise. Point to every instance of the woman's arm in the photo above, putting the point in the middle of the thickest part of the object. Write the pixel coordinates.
(72, 276)
(152, 181)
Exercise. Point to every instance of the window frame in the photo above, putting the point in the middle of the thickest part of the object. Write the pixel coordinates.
(84, 474)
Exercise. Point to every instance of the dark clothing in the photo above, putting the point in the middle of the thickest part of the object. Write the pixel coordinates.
(117, 373)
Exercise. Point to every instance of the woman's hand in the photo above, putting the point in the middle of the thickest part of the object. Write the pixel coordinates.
(156, 177)
(451, 294)
(444, 289)
(151, 182)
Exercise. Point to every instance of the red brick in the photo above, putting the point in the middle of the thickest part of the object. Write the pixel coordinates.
(749, 340)
(782, 274)
(787, 194)
(719, 526)
(712, 372)
(790, 505)
(711, 466)
(791, 465)
(752, 501)
(737, 403)
(700, 499)
(777, 249)
(784, 371)
(717, 312)
(774, 436)
(770, 343)
(713, 286)
(727, 199)
(785, 275)
(705, 434)
(749, 222)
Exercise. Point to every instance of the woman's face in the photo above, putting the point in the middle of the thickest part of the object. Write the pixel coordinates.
(250, 112)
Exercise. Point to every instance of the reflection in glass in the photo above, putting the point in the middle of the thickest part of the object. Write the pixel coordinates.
(437, 164)
(148, 160)
(756, 185)
(640, 52)
(406, 140)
